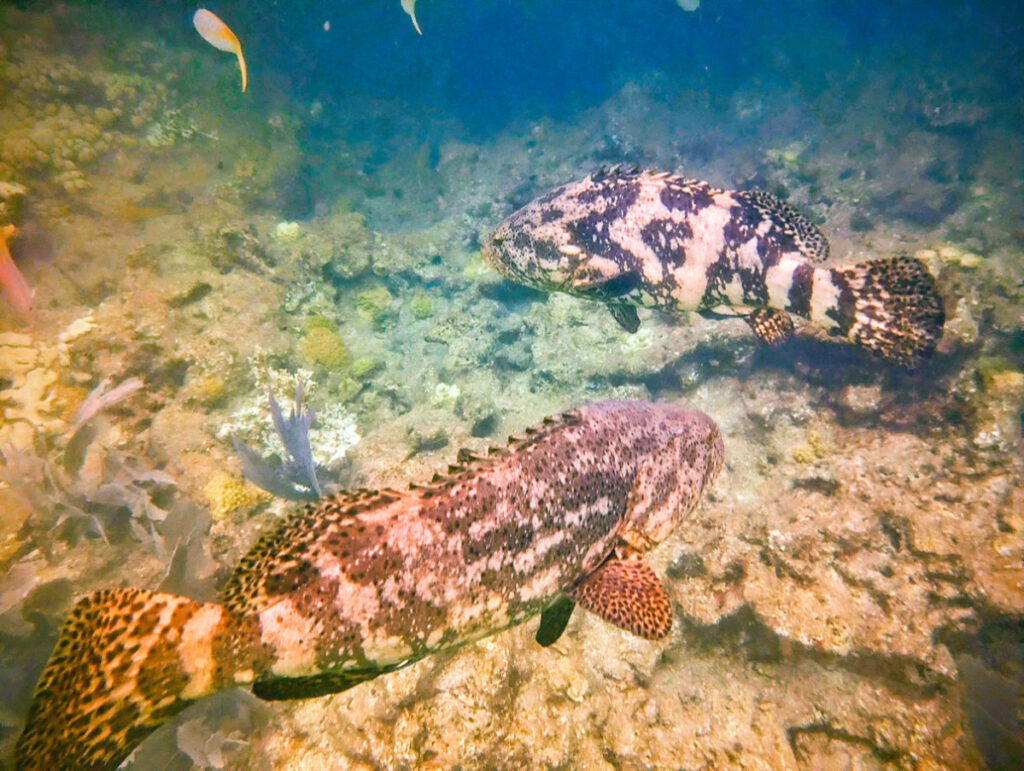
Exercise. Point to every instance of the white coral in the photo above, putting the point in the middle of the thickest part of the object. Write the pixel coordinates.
(334, 429)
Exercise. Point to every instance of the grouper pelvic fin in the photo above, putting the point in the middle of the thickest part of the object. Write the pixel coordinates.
(625, 592)
(273, 688)
(772, 326)
(553, 620)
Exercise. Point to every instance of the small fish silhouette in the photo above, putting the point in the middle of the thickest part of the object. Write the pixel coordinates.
(219, 35)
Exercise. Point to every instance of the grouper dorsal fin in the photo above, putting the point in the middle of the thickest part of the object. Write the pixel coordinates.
(625, 592)
(805, 235)
(282, 548)
(553, 620)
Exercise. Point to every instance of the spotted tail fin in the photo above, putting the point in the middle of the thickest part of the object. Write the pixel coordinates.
(125, 662)
(891, 307)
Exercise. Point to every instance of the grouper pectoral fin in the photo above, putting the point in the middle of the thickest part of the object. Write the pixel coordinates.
(626, 316)
(611, 287)
(772, 326)
(553, 620)
(625, 592)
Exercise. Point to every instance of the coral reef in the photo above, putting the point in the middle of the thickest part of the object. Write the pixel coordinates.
(36, 399)
(334, 431)
(61, 115)
(838, 597)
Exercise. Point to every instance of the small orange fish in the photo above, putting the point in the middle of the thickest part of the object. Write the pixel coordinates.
(11, 281)
(216, 33)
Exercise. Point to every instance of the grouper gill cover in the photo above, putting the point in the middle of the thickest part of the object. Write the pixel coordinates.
(362, 584)
(640, 238)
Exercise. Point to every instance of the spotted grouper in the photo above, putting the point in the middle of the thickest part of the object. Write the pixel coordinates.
(362, 584)
(651, 239)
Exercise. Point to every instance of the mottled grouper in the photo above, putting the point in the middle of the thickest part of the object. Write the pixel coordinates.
(642, 238)
(366, 583)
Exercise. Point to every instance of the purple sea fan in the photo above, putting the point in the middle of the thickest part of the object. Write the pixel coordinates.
(295, 478)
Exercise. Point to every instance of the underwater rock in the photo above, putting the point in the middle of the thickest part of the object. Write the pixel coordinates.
(427, 441)
(996, 419)
(338, 246)
(231, 246)
(962, 324)
(860, 402)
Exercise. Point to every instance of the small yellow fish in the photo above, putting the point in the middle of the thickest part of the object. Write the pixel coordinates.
(409, 6)
(216, 33)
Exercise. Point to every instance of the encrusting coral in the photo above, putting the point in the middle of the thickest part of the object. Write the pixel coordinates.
(321, 345)
(225, 493)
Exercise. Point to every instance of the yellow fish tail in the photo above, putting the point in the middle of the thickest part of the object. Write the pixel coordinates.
(241, 66)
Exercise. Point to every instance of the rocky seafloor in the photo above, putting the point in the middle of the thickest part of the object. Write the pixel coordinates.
(851, 594)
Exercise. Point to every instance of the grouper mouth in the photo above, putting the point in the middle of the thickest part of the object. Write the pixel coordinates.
(488, 253)
(493, 249)
(535, 275)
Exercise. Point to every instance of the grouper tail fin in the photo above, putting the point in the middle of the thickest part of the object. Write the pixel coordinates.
(891, 307)
(126, 661)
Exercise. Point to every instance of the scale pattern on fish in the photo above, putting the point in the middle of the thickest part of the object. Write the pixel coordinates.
(365, 583)
(634, 238)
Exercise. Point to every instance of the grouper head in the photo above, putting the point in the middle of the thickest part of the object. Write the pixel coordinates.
(562, 242)
(672, 479)
(536, 246)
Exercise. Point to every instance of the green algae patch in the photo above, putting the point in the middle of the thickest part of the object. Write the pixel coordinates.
(208, 388)
(363, 367)
(421, 306)
(372, 303)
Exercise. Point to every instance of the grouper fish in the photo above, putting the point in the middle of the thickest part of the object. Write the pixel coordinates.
(365, 583)
(633, 238)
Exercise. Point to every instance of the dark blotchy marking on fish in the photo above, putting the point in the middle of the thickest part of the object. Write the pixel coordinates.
(686, 246)
(362, 584)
